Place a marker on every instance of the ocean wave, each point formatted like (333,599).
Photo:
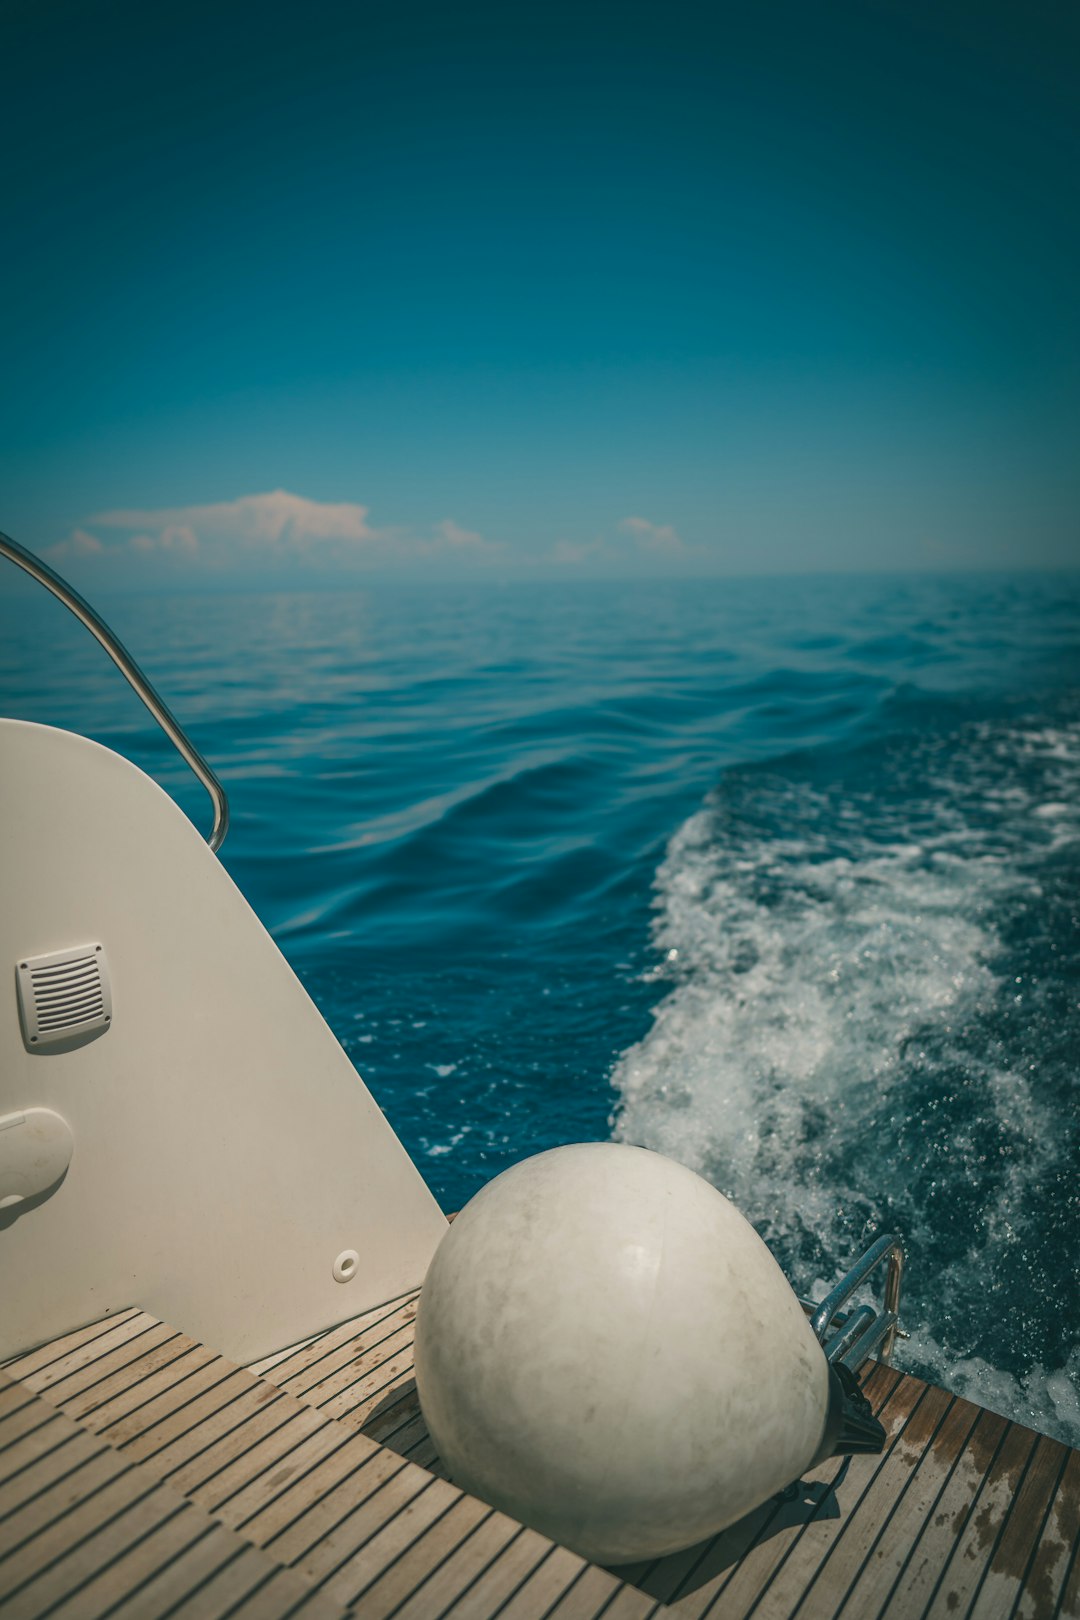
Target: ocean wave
(867,1023)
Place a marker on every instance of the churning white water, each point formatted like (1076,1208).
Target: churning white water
(870,1021)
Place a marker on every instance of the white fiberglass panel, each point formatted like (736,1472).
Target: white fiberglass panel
(225,1152)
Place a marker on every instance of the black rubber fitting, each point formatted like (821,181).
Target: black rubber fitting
(850,1424)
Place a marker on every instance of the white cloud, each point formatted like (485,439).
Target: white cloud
(656,537)
(275,524)
(450,536)
(276,530)
(179,537)
(79,543)
(278,536)
(457,537)
(574,554)
(637,545)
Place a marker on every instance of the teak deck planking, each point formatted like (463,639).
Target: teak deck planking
(142,1475)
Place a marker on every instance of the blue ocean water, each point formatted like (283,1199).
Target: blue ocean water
(780,877)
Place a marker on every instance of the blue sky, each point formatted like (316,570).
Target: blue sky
(351,289)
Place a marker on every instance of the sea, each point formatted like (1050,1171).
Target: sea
(780,877)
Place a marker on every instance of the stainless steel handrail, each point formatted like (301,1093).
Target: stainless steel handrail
(132,674)
(853,1329)
(882,1330)
(889,1247)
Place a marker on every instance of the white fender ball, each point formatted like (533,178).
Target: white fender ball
(606,1350)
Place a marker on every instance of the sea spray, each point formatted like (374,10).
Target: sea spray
(865,955)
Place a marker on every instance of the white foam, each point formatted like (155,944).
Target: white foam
(1043,1398)
(802,996)
(828,959)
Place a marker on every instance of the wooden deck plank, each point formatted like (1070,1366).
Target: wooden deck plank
(334,1525)
(35,1513)
(701,1575)
(147,1359)
(364,1378)
(959,1581)
(108,1536)
(37,1444)
(313,1607)
(1020,1535)
(148,1555)
(35,1585)
(630,1604)
(13,1397)
(280,1368)
(398,1407)
(30,1362)
(175,1438)
(804,1523)
(137,1385)
(825,1588)
(424,1455)
(428,1529)
(404,1424)
(916,1501)
(67,1454)
(355,1374)
(352,1356)
(399,1425)
(692,1578)
(188,1572)
(86,1519)
(588,1595)
(268,1466)
(933,1542)
(488,1593)
(1070,1597)
(1045,1582)
(698,1581)
(462,1568)
(734,1572)
(217,1592)
(94,1370)
(23,1421)
(243,1452)
(300,1464)
(361,1385)
(180,1387)
(270,1504)
(541,1590)
(838,1544)
(281,1596)
(344,1365)
(665,1579)
(87,1354)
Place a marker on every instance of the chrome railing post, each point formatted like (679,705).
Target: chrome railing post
(131,672)
(891,1247)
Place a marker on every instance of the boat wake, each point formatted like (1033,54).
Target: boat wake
(870,1022)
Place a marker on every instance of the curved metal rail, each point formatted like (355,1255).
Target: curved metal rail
(864,1330)
(132,674)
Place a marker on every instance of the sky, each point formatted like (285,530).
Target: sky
(352,290)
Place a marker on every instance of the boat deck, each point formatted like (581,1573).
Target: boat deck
(143,1475)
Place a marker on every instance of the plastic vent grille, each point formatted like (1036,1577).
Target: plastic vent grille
(64,994)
